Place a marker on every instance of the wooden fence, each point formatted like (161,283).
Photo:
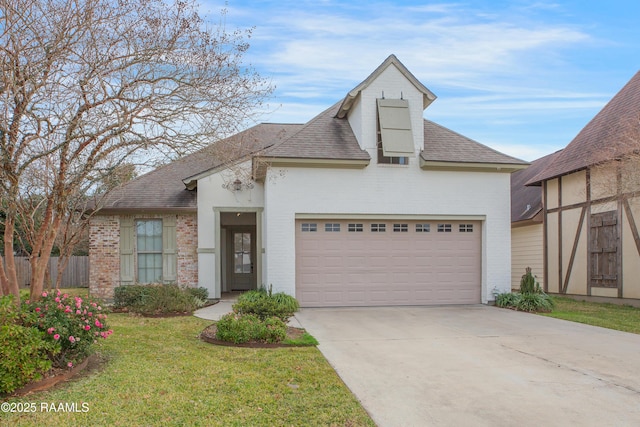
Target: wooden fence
(76,275)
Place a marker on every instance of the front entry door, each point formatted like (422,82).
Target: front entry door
(243,274)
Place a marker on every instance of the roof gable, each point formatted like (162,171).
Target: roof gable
(610,134)
(347,102)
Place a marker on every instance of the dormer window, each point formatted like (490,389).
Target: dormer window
(395,139)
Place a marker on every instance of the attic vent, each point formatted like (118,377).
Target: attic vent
(395,127)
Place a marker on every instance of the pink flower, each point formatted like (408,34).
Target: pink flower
(78,312)
(65,296)
(67,309)
(50,330)
(87,327)
(44,294)
(70,365)
(72,339)
(56,337)
(98,324)
(58,292)
(57,299)
(90,314)
(93,304)
(37,309)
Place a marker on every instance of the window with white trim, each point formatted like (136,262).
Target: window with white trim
(465,228)
(149,250)
(400,228)
(444,228)
(355,228)
(332,227)
(378,228)
(423,228)
(309,227)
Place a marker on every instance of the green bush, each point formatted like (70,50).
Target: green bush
(534,302)
(201,294)
(248,327)
(159,299)
(265,304)
(128,296)
(528,283)
(507,299)
(25,354)
(69,322)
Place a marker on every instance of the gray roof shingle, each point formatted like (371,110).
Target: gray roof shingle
(444,145)
(163,188)
(605,137)
(324,137)
(526,201)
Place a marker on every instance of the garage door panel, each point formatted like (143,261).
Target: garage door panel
(387,268)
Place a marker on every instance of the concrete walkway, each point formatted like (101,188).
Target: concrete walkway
(480,366)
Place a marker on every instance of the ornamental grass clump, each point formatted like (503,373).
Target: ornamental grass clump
(531,297)
(69,322)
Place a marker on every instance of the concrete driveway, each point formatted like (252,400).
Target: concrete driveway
(480,366)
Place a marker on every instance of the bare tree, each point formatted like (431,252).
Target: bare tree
(88,84)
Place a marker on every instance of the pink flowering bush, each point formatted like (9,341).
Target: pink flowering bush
(70,322)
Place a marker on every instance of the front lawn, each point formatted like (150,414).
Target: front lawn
(620,317)
(159,373)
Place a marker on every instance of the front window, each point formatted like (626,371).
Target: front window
(149,250)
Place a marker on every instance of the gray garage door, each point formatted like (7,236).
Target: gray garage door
(376,262)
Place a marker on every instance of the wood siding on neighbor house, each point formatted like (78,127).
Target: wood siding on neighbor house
(527,251)
(593,245)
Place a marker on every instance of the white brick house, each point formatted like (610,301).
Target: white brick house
(366,204)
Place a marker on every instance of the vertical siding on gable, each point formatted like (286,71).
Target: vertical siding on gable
(526,251)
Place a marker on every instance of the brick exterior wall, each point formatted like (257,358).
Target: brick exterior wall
(104,252)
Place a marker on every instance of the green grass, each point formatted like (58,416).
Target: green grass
(619,317)
(159,373)
(305,339)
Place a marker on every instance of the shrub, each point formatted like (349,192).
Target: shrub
(534,302)
(70,322)
(528,283)
(248,327)
(159,299)
(507,300)
(128,296)
(201,294)
(265,304)
(25,354)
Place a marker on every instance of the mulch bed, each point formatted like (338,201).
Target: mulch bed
(209,335)
(57,376)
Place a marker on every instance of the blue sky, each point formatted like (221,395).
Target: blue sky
(520,76)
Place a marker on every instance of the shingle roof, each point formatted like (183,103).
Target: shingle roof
(324,137)
(526,201)
(163,188)
(444,145)
(604,138)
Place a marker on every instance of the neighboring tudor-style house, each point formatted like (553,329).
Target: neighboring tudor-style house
(591,199)
(366,204)
(527,241)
